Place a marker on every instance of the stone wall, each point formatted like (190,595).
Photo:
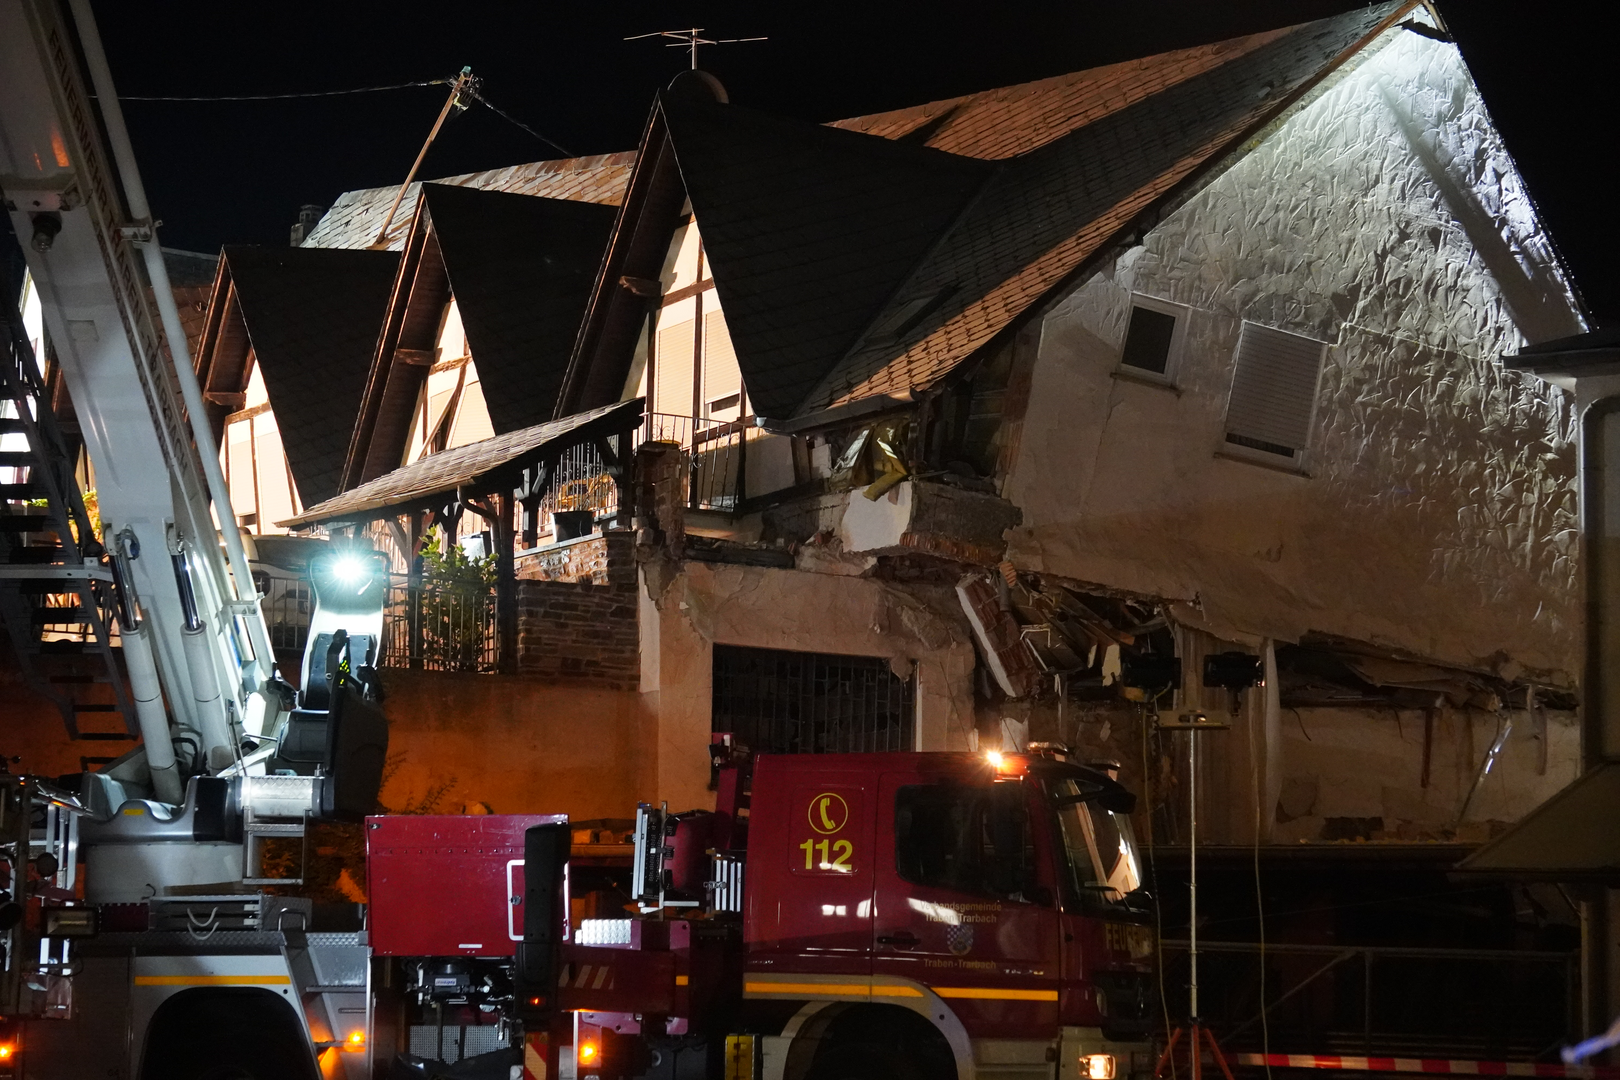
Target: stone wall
(577,613)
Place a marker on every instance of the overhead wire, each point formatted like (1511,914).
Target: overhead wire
(471,92)
(482,100)
(284,97)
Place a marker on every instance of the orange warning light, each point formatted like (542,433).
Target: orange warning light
(587,1052)
(356,1041)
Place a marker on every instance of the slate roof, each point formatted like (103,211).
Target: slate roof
(869,258)
(354,219)
(810,230)
(311,318)
(475,469)
(521,269)
(1012,120)
(1047,211)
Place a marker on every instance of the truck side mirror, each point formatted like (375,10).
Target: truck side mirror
(1118,800)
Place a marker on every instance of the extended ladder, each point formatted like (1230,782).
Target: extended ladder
(56,595)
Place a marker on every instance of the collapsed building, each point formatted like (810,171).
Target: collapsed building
(974,405)
(973,424)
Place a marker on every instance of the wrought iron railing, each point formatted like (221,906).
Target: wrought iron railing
(714,474)
(714,450)
(439,626)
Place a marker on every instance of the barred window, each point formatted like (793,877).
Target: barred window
(781,702)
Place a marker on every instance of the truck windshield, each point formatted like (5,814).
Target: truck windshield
(1100,846)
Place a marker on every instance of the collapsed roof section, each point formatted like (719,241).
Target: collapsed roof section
(519,269)
(309,319)
(870,259)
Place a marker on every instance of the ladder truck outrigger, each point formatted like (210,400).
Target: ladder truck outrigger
(135,936)
(834,917)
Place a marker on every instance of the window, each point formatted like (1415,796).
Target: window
(970,839)
(1274,392)
(672,366)
(722,379)
(1153,337)
(782,702)
(1100,847)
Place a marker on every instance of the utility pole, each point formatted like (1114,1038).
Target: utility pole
(464,84)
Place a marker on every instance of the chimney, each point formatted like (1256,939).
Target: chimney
(308,215)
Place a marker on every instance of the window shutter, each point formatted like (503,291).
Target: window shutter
(721,376)
(672,367)
(1274,390)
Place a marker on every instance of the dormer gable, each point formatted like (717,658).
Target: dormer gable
(497,279)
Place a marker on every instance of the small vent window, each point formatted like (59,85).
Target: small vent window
(1274,392)
(783,702)
(1153,337)
(1147,341)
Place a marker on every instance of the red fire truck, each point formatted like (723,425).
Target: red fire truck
(836,916)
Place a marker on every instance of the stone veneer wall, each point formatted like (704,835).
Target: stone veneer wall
(577,613)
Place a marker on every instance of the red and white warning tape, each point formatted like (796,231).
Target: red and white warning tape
(1432,1066)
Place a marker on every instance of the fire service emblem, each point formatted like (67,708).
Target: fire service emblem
(959,939)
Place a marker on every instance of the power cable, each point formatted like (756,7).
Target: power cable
(482,100)
(284,97)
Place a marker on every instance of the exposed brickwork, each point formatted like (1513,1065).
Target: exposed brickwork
(577,613)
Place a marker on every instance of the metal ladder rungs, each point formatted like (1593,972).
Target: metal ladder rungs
(264,828)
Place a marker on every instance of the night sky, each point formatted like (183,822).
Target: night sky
(236,172)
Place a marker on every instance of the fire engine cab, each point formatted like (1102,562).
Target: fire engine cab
(836,916)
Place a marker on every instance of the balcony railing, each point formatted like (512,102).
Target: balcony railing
(439,627)
(714,451)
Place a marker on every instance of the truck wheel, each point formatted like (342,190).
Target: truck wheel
(228,1033)
(863,1062)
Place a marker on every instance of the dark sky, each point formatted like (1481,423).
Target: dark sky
(237,172)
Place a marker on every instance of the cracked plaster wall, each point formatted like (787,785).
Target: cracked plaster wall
(1383,783)
(684,614)
(1439,513)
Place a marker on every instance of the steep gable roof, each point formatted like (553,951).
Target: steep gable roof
(1012,120)
(353,220)
(1049,211)
(520,268)
(810,230)
(309,319)
(961,248)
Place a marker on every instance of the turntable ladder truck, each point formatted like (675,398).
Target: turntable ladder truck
(136,935)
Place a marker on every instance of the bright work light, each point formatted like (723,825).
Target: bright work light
(348,569)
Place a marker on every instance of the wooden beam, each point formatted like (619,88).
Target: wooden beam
(506,605)
(416,357)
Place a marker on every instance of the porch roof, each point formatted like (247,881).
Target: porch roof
(479,468)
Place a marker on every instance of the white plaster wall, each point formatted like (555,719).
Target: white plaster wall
(1439,513)
(770,608)
(1364,763)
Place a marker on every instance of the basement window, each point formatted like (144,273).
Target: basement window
(1273,401)
(781,702)
(1153,338)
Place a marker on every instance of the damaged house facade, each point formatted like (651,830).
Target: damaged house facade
(988,421)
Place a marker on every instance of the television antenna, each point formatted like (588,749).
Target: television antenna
(691,39)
